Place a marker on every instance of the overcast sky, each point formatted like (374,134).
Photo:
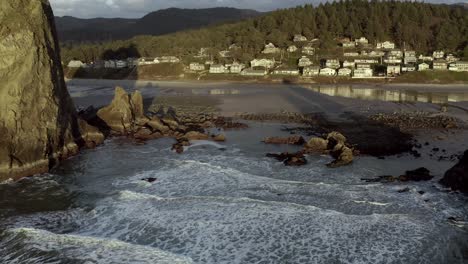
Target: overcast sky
(138,8)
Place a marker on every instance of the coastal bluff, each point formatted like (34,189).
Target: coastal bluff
(38,122)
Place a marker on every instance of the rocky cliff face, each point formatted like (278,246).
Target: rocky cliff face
(38,123)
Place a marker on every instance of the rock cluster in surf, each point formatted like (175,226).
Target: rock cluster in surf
(457,177)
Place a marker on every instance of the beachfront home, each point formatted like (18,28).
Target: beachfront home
(308,50)
(350,54)
(292,48)
(237,67)
(266,63)
(385,45)
(439,65)
(344,72)
(195,66)
(76,64)
(310,71)
(425,58)
(361,41)
(270,48)
(363,66)
(423,66)
(299,38)
(363,73)
(459,66)
(393,70)
(252,72)
(282,70)
(121,64)
(304,61)
(218,68)
(366,61)
(146,61)
(332,63)
(438,54)
(408,68)
(167,59)
(327,72)
(349,64)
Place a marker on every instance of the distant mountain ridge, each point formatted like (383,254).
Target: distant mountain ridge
(72,29)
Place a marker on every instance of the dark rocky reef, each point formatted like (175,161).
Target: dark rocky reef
(457,177)
(38,123)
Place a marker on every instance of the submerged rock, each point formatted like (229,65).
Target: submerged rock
(457,177)
(420,174)
(38,120)
(289,159)
(293,140)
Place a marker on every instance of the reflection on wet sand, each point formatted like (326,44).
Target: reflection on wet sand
(391,95)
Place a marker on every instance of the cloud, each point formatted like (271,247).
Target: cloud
(138,8)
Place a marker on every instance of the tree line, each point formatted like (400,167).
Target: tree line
(419,26)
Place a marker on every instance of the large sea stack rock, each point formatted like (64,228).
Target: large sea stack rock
(457,177)
(38,124)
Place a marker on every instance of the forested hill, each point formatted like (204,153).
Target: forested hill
(72,29)
(421,26)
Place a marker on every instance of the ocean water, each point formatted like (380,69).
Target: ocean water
(228,203)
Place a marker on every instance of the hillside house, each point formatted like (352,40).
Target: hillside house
(348,44)
(439,65)
(266,63)
(121,64)
(202,53)
(408,68)
(252,72)
(438,54)
(292,48)
(459,66)
(304,62)
(344,72)
(423,66)
(327,72)
(234,47)
(361,41)
(311,71)
(237,67)
(395,53)
(218,68)
(299,38)
(225,53)
(146,61)
(308,50)
(167,59)
(209,62)
(349,64)
(409,53)
(366,61)
(451,58)
(376,53)
(195,66)
(425,58)
(393,70)
(363,66)
(270,48)
(286,71)
(350,54)
(385,45)
(332,63)
(76,64)
(363,73)
(392,59)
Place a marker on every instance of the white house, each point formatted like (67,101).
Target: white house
(266,63)
(110,64)
(438,54)
(299,38)
(367,61)
(76,64)
(270,48)
(310,71)
(292,48)
(376,53)
(362,41)
(348,44)
(195,66)
(425,58)
(350,54)
(332,63)
(309,50)
(385,45)
(225,53)
(392,59)
(304,62)
(344,72)
(459,66)
(252,72)
(363,66)
(237,67)
(393,70)
(451,58)
(218,68)
(363,73)
(423,66)
(349,64)
(327,72)
(286,71)
(408,68)
(167,59)
(395,53)
(121,64)
(146,61)
(439,65)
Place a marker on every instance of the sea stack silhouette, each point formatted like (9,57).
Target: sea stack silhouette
(38,122)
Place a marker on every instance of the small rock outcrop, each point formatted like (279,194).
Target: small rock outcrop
(316,145)
(420,174)
(38,122)
(290,159)
(293,140)
(457,177)
(335,145)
